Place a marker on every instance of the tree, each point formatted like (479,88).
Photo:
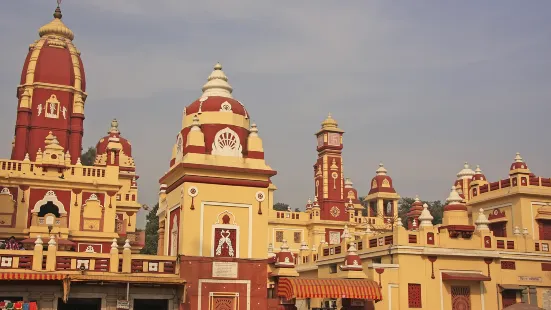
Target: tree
(280,206)
(297,210)
(151,232)
(436,209)
(87,158)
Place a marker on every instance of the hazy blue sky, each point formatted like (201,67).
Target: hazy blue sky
(421,85)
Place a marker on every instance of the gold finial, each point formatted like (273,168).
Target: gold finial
(329,122)
(57,13)
(56,26)
(114,126)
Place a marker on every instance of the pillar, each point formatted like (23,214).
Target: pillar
(51,255)
(21,134)
(533,295)
(75,137)
(114,257)
(126,257)
(161,240)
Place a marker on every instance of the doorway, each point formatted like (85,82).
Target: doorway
(149,304)
(79,304)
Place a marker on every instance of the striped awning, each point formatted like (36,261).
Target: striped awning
(30,276)
(329,288)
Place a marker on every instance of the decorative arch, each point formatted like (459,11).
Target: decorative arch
(52,198)
(226,218)
(386,183)
(227,143)
(225,236)
(92,214)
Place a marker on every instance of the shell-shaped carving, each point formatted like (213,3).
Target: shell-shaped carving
(227,143)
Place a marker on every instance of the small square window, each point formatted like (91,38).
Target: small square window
(297,237)
(279,236)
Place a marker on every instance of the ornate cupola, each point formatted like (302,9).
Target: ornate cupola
(463,180)
(114,150)
(519,171)
(477,180)
(456,218)
(382,182)
(220,121)
(352,267)
(382,200)
(414,212)
(51,93)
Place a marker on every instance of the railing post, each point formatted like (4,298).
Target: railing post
(126,257)
(114,257)
(38,254)
(51,256)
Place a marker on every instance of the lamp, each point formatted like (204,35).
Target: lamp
(50,223)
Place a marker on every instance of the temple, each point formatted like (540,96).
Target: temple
(70,239)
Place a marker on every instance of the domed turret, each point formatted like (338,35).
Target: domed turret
(463,181)
(225,126)
(113,149)
(414,212)
(519,166)
(51,93)
(381,182)
(478,175)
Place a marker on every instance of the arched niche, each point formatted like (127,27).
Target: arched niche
(8,211)
(47,207)
(51,198)
(92,214)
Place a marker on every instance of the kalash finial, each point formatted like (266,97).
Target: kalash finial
(57,13)
(217,84)
(56,26)
(114,126)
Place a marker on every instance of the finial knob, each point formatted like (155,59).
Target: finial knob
(57,13)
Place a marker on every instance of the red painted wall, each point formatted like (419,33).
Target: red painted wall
(195,268)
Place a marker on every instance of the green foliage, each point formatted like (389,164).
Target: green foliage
(87,158)
(297,210)
(280,206)
(151,232)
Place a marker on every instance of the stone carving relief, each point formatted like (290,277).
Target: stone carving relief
(52,107)
(227,143)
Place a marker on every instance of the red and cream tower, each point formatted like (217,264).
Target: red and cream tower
(215,201)
(51,93)
(328,172)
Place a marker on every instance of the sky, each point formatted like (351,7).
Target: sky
(422,86)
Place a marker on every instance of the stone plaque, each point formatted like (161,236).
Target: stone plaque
(224,270)
(529,279)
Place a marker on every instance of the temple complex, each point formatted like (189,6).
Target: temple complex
(70,239)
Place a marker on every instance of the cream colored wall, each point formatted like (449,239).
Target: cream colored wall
(210,202)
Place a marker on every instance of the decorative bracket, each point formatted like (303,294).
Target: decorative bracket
(432,259)
(488,261)
(260,198)
(192,192)
(76,191)
(111,194)
(380,271)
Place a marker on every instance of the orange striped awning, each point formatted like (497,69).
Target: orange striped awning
(329,288)
(30,276)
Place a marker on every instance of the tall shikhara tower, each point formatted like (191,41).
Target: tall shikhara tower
(328,172)
(51,93)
